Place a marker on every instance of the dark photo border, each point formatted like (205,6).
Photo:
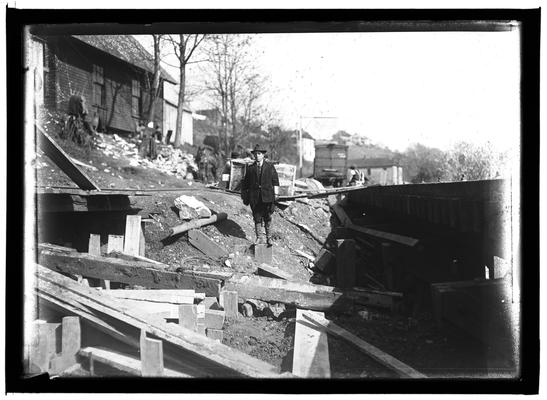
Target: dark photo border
(247,21)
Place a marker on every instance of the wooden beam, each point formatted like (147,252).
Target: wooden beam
(345,263)
(305,295)
(385,359)
(63,161)
(273,272)
(392,237)
(133,273)
(119,254)
(132,235)
(196,224)
(204,244)
(123,362)
(173,296)
(311,348)
(212,358)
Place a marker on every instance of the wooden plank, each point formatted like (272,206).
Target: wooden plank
(44,344)
(132,235)
(142,241)
(63,161)
(71,337)
(123,362)
(229,301)
(311,348)
(392,237)
(214,318)
(389,361)
(133,273)
(188,316)
(151,356)
(115,243)
(172,296)
(212,358)
(49,246)
(204,244)
(119,254)
(210,302)
(263,253)
(94,249)
(345,263)
(324,260)
(69,304)
(274,272)
(306,255)
(163,310)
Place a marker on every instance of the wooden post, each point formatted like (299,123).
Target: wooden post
(214,319)
(115,243)
(345,263)
(71,337)
(132,235)
(44,344)
(188,316)
(142,241)
(311,348)
(94,249)
(229,301)
(263,253)
(151,356)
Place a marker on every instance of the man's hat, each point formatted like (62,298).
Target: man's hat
(258,149)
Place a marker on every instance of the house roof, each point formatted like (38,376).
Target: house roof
(126,48)
(306,135)
(373,162)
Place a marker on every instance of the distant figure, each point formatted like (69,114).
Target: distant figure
(77,128)
(168,136)
(259,188)
(158,134)
(206,160)
(354,176)
(139,131)
(148,145)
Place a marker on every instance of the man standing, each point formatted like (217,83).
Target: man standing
(258,189)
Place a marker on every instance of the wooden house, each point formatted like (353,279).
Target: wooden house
(112,72)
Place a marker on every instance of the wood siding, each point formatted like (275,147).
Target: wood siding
(71,72)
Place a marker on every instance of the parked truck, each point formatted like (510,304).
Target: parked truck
(331,164)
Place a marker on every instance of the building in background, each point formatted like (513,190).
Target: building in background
(381,171)
(112,72)
(170,101)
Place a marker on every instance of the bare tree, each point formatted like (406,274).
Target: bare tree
(230,75)
(155,86)
(184,47)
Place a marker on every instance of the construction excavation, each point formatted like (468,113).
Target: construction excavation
(407,281)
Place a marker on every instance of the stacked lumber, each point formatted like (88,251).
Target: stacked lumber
(191,353)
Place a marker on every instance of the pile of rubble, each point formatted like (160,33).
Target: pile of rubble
(170,160)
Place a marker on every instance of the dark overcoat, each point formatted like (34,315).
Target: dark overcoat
(259,188)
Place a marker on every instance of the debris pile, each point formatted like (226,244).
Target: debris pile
(169,160)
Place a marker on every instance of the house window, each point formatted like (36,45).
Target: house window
(99,93)
(136,98)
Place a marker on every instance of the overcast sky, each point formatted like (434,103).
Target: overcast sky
(396,88)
